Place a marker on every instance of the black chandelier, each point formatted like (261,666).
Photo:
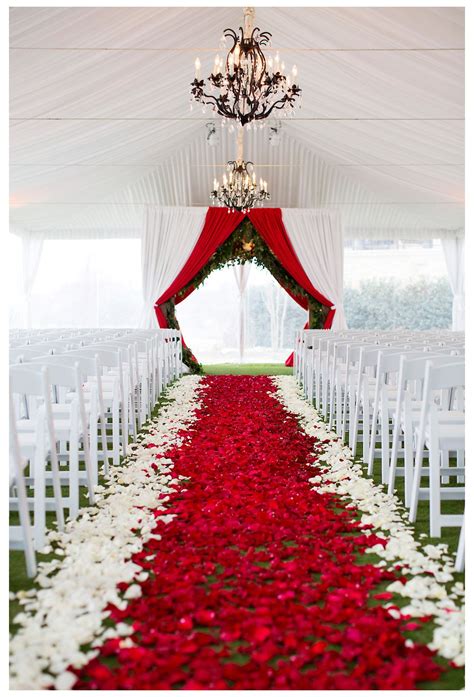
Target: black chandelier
(239,190)
(248,88)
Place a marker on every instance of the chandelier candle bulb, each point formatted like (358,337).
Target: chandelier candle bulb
(197,67)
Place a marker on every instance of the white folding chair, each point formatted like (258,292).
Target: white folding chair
(113,402)
(21,536)
(37,443)
(439,435)
(406,414)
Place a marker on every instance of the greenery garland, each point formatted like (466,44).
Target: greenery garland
(244,245)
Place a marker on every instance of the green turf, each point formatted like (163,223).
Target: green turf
(247,369)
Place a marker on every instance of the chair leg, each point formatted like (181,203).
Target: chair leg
(392,473)
(445,463)
(116,433)
(365,430)
(105,449)
(25,522)
(73,476)
(435,489)
(93,451)
(408,456)
(385,446)
(415,488)
(460,463)
(459,564)
(373,432)
(39,502)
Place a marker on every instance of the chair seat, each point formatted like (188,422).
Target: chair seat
(62,427)
(445,417)
(451,437)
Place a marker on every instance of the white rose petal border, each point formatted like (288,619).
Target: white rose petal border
(430,567)
(94,553)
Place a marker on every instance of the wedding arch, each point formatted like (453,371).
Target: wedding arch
(302,248)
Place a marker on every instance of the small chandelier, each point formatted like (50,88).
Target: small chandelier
(238,190)
(248,88)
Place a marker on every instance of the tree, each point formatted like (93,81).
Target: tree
(387,304)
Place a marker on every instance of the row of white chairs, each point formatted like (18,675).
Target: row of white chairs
(400,395)
(72,393)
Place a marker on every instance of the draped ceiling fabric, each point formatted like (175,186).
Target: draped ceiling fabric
(101,126)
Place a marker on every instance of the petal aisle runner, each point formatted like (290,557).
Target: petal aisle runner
(254,576)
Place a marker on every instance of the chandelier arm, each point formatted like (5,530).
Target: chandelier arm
(215,101)
(280,104)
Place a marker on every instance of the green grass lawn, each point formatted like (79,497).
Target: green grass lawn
(247,369)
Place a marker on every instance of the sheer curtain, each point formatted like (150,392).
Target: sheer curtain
(32,248)
(241,273)
(169,236)
(317,238)
(454,255)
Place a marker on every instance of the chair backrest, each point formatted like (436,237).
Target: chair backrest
(87,366)
(25,381)
(24,354)
(107,357)
(59,375)
(414,367)
(445,376)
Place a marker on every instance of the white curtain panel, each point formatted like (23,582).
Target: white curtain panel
(32,249)
(317,238)
(454,256)
(242,273)
(169,236)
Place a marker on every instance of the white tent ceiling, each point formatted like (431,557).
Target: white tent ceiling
(101,124)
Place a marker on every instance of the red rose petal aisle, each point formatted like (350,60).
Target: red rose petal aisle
(228,552)
(257,581)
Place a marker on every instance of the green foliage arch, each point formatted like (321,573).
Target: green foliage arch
(243,245)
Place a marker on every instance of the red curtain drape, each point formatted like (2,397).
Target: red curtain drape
(269,224)
(219,224)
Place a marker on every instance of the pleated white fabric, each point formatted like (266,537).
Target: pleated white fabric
(100,110)
(242,273)
(454,255)
(32,249)
(169,236)
(317,238)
